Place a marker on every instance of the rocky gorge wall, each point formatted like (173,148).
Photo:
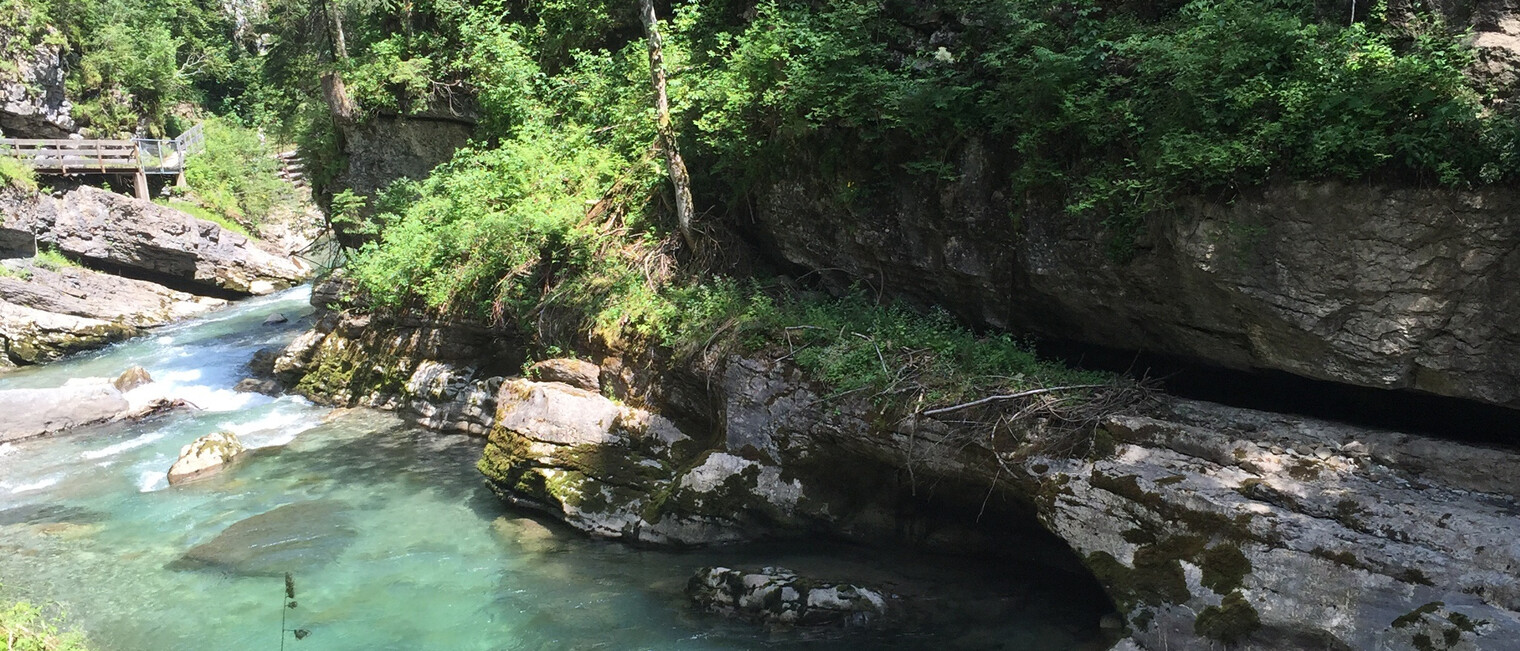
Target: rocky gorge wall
(1391,288)
(1205,525)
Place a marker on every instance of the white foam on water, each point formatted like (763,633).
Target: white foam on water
(273,429)
(152,480)
(37,485)
(112,450)
(6,448)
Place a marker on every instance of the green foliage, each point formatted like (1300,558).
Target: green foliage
(237,176)
(1094,108)
(26,627)
(199,212)
(52,259)
(17,175)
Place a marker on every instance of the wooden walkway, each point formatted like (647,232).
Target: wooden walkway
(139,156)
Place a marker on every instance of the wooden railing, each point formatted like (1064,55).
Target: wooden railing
(143,155)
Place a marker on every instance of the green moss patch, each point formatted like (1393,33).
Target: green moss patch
(1229,622)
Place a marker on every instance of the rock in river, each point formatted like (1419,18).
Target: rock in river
(34,412)
(205,456)
(774,595)
(293,538)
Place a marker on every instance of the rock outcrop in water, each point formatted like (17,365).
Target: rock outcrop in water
(48,313)
(205,456)
(1206,525)
(774,595)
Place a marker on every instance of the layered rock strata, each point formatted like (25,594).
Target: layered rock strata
(1412,289)
(106,228)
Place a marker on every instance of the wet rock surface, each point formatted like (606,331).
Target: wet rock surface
(35,412)
(297,537)
(777,596)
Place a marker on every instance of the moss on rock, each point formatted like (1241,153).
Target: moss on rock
(1229,622)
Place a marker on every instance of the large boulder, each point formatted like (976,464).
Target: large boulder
(577,373)
(205,456)
(81,292)
(620,472)
(105,228)
(48,313)
(35,412)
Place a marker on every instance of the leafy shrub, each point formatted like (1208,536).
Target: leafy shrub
(237,176)
(26,628)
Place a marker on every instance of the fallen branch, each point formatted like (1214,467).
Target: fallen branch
(1011,396)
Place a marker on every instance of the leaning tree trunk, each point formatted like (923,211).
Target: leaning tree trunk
(333,89)
(685,211)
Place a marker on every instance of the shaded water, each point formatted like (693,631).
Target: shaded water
(430,559)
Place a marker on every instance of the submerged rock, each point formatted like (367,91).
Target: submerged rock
(205,456)
(264,386)
(275,319)
(774,595)
(296,537)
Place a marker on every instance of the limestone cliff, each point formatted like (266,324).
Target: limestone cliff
(1393,288)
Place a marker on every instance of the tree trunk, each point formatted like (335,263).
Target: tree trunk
(685,210)
(334,91)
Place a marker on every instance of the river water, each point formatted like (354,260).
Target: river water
(428,559)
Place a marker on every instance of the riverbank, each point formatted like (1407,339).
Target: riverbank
(1202,523)
(414,549)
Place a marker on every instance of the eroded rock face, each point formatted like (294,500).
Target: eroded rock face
(774,595)
(1378,287)
(205,456)
(32,102)
(108,228)
(1284,532)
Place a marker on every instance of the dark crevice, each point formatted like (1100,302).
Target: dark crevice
(1278,391)
(171,281)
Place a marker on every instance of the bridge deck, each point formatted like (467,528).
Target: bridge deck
(141,155)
